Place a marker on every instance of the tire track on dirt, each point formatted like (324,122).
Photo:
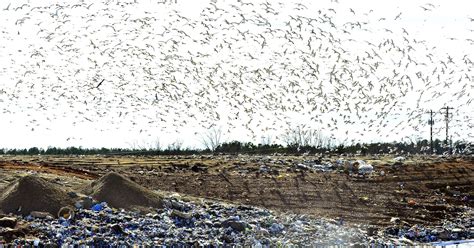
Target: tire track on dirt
(46,168)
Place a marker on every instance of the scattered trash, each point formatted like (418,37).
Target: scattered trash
(327,166)
(98,207)
(179,214)
(452,230)
(85,202)
(66,213)
(217,224)
(9,222)
(41,215)
(276,228)
(399,159)
(235,224)
(363,167)
(395,220)
(205,224)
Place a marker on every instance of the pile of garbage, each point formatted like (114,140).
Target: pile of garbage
(270,165)
(175,220)
(183,223)
(359,167)
(316,165)
(207,223)
(462,228)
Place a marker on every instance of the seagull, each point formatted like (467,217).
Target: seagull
(8,7)
(100,83)
(236,57)
(398,16)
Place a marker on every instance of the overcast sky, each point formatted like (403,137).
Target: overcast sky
(52,99)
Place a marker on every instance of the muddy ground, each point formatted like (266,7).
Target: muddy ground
(420,190)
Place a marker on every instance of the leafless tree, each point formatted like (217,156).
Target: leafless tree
(176,145)
(212,138)
(266,140)
(157,145)
(304,136)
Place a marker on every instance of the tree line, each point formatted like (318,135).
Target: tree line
(237,147)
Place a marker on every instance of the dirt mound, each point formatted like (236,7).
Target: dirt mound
(33,193)
(120,192)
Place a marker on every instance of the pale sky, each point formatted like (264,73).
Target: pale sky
(55,102)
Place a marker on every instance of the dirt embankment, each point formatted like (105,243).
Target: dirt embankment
(425,193)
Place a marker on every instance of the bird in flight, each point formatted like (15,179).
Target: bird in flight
(100,83)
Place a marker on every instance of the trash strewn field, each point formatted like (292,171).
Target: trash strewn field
(236,199)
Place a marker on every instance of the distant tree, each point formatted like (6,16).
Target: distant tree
(157,145)
(33,151)
(266,140)
(302,136)
(437,146)
(235,147)
(176,145)
(212,138)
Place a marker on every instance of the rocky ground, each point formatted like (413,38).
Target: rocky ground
(257,200)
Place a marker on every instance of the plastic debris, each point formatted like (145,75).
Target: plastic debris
(399,159)
(208,223)
(8,222)
(66,213)
(98,207)
(364,168)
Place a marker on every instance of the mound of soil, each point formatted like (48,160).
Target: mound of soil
(120,192)
(33,193)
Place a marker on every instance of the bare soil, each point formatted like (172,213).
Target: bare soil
(33,193)
(120,192)
(421,190)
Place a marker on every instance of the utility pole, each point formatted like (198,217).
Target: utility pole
(447,108)
(431,123)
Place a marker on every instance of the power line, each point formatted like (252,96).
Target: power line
(431,123)
(447,108)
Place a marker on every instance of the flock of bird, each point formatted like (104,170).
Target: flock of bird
(260,65)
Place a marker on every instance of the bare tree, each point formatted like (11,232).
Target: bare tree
(212,138)
(303,136)
(318,138)
(266,140)
(157,145)
(176,145)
